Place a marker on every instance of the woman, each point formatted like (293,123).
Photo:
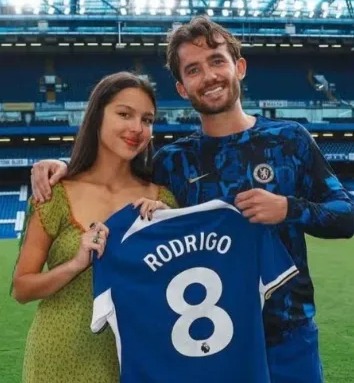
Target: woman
(109,168)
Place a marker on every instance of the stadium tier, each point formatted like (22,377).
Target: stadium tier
(337,150)
(276,77)
(40,152)
(12,210)
(300,67)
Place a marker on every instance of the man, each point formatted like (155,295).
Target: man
(273,168)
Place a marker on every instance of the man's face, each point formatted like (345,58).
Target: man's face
(210,77)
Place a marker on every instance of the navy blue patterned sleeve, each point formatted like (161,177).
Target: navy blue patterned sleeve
(161,175)
(168,172)
(323,207)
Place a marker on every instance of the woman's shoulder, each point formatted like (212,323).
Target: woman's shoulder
(52,213)
(57,196)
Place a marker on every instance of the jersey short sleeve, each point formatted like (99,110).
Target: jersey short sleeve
(103,306)
(275,263)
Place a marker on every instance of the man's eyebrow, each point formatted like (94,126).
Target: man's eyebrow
(211,57)
(216,56)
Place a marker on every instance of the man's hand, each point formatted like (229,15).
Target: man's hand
(261,206)
(44,175)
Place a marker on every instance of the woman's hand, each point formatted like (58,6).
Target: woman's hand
(93,240)
(148,206)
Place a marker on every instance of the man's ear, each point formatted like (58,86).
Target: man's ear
(241,66)
(181,90)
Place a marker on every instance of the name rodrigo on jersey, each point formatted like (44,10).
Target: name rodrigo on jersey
(188,244)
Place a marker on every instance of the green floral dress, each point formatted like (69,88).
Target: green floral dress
(60,345)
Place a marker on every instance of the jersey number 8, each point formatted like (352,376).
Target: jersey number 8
(223,326)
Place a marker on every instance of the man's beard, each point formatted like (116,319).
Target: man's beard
(204,108)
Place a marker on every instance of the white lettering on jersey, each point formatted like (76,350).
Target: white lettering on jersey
(190,243)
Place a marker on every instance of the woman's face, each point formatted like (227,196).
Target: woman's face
(127,124)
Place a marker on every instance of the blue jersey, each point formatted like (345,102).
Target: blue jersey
(280,157)
(183,294)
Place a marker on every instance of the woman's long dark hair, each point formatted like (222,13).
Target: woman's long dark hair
(85,149)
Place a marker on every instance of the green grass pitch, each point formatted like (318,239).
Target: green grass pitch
(332,269)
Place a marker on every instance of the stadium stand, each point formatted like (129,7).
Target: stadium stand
(46,80)
(273,77)
(12,211)
(342,149)
(40,151)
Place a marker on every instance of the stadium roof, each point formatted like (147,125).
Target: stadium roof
(129,22)
(325,9)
